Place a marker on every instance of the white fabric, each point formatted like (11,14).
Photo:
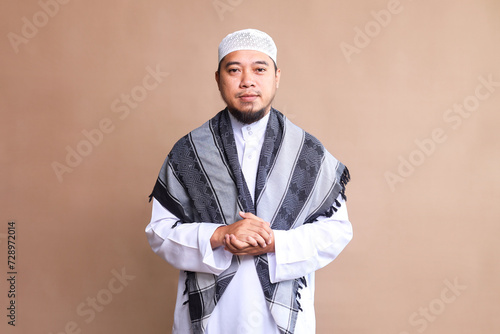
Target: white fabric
(248,39)
(242,306)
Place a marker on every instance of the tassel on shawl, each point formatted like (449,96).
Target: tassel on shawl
(344,178)
(334,208)
(186,289)
(301,283)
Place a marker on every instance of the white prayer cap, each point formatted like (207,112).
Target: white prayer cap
(248,39)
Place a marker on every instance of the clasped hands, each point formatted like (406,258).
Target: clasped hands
(249,236)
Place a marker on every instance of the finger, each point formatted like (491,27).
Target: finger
(264,235)
(256,224)
(252,241)
(250,226)
(249,251)
(227,244)
(238,244)
(257,241)
(250,215)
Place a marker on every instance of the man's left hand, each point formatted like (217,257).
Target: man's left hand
(239,247)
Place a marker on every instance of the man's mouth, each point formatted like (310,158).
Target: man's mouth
(248,97)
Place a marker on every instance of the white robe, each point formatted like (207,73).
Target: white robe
(298,252)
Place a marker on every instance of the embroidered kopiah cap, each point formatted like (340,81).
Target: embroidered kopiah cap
(248,39)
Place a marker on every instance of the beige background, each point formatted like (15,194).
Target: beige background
(432,224)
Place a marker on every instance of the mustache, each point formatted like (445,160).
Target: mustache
(248,93)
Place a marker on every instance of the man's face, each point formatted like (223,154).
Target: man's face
(247,82)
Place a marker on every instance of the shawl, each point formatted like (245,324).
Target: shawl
(201,181)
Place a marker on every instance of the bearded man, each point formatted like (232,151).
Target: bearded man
(248,206)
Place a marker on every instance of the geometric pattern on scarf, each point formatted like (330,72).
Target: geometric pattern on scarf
(201,181)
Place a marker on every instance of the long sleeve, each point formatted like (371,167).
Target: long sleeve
(305,249)
(185,246)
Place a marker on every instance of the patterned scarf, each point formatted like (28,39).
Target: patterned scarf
(201,181)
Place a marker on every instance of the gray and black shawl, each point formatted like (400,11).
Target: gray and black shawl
(201,181)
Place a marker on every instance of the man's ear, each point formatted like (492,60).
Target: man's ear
(278,76)
(217,77)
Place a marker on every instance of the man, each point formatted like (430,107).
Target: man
(248,206)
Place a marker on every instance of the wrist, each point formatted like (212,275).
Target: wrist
(217,238)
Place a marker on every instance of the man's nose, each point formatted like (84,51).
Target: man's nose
(247,79)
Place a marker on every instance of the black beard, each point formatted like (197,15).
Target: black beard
(247,117)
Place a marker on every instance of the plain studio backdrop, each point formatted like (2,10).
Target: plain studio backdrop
(405,93)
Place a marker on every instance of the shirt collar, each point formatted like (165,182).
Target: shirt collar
(253,131)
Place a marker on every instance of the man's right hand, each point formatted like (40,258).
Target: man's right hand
(251,230)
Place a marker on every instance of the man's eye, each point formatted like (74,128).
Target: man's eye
(233,70)
(261,69)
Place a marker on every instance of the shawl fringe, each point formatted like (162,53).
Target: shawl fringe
(344,178)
